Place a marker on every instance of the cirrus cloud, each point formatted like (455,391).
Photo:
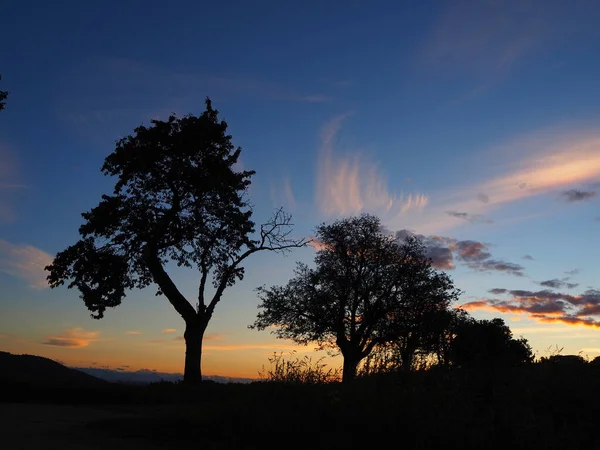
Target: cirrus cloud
(350,183)
(25,262)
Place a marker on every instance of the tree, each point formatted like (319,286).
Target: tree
(489,343)
(363,292)
(178,198)
(3,96)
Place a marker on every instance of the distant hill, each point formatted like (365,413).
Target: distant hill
(145,376)
(36,371)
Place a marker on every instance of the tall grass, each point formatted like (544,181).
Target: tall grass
(298,370)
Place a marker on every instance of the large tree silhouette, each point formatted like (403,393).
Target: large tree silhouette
(367,289)
(178,199)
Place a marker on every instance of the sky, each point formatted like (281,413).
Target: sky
(473,124)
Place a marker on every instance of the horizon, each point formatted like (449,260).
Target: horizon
(473,125)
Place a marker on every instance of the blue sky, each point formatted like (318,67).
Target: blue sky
(472,123)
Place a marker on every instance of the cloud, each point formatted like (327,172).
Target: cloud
(488,38)
(349,184)
(554,283)
(126,81)
(133,332)
(545,306)
(473,218)
(572,272)
(283,194)
(527,257)
(577,195)
(169,330)
(557,160)
(443,251)
(9,183)
(25,262)
(74,338)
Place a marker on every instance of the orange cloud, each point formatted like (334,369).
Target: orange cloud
(351,184)
(26,262)
(133,332)
(169,330)
(74,338)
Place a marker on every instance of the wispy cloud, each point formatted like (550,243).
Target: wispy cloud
(74,338)
(133,332)
(556,161)
(25,262)
(169,330)
(487,39)
(282,194)
(350,183)
(9,183)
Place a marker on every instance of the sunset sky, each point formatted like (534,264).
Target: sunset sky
(474,124)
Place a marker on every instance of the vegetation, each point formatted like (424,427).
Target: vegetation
(537,406)
(367,290)
(178,199)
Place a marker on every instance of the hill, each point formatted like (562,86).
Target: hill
(36,371)
(145,376)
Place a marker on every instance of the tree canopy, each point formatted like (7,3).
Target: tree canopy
(179,198)
(366,289)
(488,343)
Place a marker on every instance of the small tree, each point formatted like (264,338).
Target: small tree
(178,198)
(489,343)
(362,293)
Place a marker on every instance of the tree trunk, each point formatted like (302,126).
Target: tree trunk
(194,333)
(350,365)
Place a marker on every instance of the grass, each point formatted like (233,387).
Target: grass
(537,407)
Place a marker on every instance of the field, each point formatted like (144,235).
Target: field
(538,407)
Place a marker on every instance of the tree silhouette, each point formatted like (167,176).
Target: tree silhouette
(489,343)
(3,96)
(178,198)
(366,290)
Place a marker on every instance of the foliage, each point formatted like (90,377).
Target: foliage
(178,198)
(299,370)
(489,343)
(367,289)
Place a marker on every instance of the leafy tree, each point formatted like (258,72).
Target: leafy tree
(178,198)
(489,343)
(366,290)
(3,96)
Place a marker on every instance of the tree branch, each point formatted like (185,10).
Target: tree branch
(162,278)
(274,236)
